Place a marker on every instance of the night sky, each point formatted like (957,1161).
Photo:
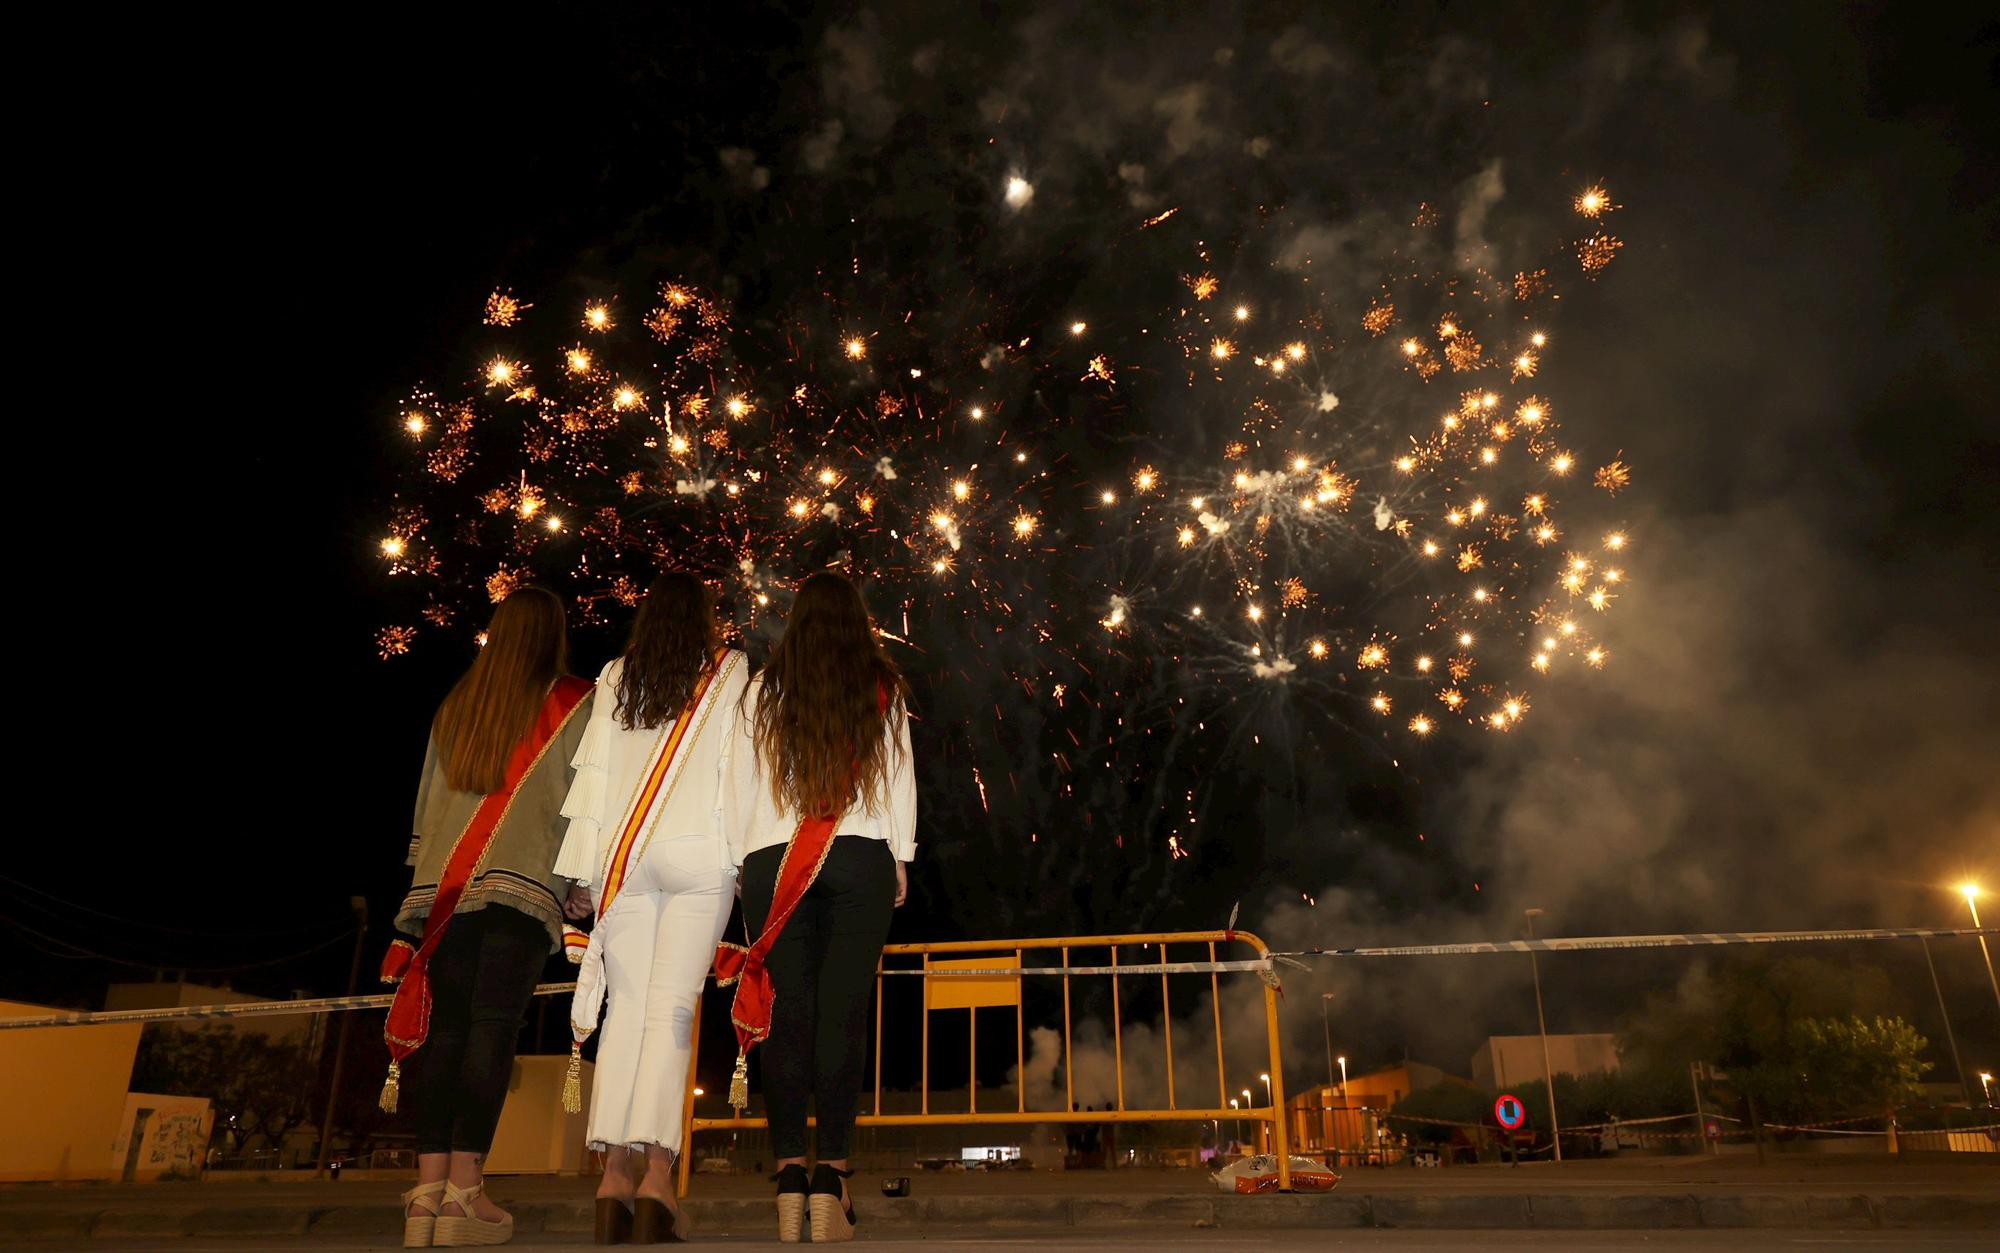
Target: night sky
(245,247)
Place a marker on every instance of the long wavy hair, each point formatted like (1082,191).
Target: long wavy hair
(819,719)
(494,704)
(673,641)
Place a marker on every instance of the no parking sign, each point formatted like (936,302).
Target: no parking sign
(1509,1111)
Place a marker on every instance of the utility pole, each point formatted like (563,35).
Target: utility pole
(1325,1010)
(1541,1020)
(360,907)
(1949,1038)
(1327,1120)
(1700,1115)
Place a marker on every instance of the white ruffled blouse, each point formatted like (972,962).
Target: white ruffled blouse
(612,759)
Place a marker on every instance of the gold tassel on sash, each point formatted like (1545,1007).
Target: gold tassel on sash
(572,1096)
(739,1084)
(392,1088)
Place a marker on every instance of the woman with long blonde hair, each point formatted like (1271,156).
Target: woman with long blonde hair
(827,782)
(649,848)
(484,911)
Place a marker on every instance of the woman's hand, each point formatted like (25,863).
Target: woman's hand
(578,906)
(902,883)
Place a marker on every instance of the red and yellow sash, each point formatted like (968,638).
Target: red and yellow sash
(656,785)
(750,1012)
(655,788)
(408,965)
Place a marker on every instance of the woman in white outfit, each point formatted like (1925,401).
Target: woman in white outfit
(649,850)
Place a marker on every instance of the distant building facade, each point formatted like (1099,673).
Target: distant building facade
(1506,1060)
(1323,1121)
(62,1098)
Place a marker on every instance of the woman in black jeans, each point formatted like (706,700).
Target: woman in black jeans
(825,752)
(484,910)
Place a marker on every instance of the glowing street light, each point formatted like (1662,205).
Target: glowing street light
(1267,1088)
(1986,1086)
(1971,893)
(1343,1079)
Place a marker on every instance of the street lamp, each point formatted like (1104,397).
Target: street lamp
(1267,1088)
(1971,893)
(1326,1021)
(1541,1020)
(1986,1086)
(1343,1080)
(1239,1117)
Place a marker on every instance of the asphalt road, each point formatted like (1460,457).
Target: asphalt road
(1143,1241)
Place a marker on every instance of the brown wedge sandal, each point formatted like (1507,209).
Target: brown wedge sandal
(614,1221)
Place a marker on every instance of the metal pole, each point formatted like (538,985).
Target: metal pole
(1700,1115)
(1326,1020)
(1983,950)
(1949,1038)
(360,906)
(1541,1020)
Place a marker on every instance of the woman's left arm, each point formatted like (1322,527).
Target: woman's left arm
(901,820)
(423,801)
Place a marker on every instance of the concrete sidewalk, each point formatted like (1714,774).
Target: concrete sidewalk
(1945,1194)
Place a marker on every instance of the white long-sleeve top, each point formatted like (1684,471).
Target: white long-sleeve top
(612,759)
(766,822)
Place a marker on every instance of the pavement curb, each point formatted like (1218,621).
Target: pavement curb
(42,1221)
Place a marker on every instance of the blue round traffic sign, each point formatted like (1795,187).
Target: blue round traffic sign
(1509,1110)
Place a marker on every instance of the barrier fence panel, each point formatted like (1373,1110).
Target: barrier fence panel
(993,974)
(990,974)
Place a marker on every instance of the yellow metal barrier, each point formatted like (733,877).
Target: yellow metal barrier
(971,993)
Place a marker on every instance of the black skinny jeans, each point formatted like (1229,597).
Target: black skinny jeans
(822,971)
(482,975)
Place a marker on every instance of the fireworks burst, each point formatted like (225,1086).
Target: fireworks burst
(1352,511)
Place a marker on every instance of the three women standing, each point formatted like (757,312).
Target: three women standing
(673,772)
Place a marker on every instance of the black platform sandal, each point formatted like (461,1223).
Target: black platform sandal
(831,1219)
(793,1185)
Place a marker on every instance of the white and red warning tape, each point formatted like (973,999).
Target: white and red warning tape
(1265,966)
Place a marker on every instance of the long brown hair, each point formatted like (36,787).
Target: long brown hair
(819,717)
(673,641)
(494,704)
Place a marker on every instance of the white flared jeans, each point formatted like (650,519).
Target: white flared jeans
(659,942)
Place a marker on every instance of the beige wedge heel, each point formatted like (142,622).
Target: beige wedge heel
(419,1229)
(832,1220)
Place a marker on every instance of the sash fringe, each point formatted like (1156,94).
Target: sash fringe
(572,1092)
(392,1088)
(739,1083)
